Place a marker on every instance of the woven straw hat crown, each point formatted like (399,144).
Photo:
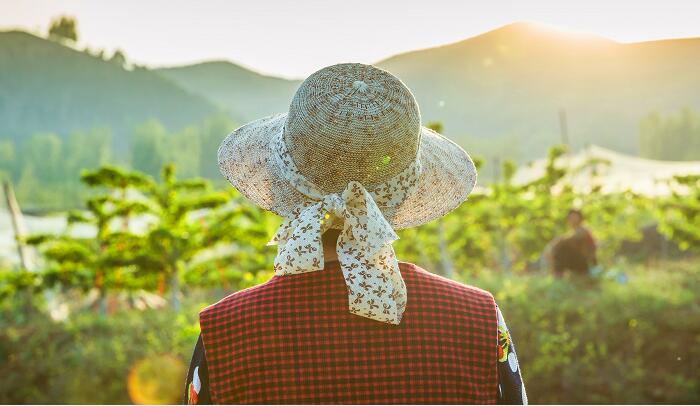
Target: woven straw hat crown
(349,123)
(352,122)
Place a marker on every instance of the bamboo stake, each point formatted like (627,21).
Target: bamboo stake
(17,225)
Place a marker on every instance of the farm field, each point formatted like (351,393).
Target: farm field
(115,289)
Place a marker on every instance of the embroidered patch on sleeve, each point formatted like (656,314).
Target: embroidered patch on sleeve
(505,344)
(194,388)
(511,389)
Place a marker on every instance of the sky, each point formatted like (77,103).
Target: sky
(293,38)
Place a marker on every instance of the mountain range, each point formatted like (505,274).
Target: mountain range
(48,87)
(514,82)
(246,94)
(504,91)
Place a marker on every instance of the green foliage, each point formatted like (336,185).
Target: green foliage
(602,341)
(45,167)
(435,126)
(210,135)
(45,152)
(97,262)
(87,359)
(63,29)
(191,149)
(186,218)
(7,159)
(14,282)
(118,58)
(578,341)
(679,216)
(148,146)
(507,226)
(675,137)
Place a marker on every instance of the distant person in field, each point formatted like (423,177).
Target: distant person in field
(576,251)
(342,320)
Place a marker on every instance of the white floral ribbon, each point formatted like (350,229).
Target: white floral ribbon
(367,259)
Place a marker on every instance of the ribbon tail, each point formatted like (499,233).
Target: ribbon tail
(367,223)
(377,292)
(282,234)
(376,289)
(299,247)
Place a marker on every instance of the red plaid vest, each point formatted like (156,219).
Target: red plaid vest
(292,340)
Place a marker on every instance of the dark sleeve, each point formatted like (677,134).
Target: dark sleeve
(587,244)
(592,248)
(197,384)
(511,390)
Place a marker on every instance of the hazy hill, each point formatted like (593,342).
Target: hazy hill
(247,94)
(510,83)
(501,92)
(45,86)
(498,93)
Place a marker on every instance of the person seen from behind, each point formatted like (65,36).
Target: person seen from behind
(343,320)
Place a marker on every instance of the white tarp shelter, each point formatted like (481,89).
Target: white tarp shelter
(613,171)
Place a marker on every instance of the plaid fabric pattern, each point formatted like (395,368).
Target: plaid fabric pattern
(292,340)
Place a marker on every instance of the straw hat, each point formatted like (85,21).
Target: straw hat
(352,138)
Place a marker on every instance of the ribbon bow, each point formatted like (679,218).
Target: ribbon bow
(375,287)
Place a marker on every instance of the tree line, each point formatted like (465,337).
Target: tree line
(671,137)
(45,168)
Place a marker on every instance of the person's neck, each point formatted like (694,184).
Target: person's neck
(329,240)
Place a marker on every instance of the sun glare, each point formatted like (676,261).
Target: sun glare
(560,31)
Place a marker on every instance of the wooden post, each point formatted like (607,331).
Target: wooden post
(17,225)
(564,133)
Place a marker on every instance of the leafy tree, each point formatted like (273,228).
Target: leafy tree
(190,219)
(184,219)
(672,137)
(45,153)
(63,29)
(47,168)
(211,133)
(8,159)
(27,184)
(679,216)
(85,150)
(148,147)
(100,262)
(435,126)
(118,58)
(185,151)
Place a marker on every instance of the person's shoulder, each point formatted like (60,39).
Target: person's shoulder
(414,273)
(582,229)
(236,301)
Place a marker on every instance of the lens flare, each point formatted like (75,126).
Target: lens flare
(156,380)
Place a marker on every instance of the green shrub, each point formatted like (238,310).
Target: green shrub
(602,341)
(87,359)
(578,341)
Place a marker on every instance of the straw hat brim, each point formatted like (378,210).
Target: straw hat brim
(245,158)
